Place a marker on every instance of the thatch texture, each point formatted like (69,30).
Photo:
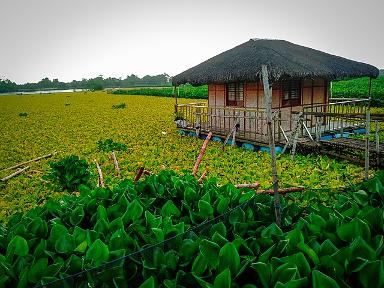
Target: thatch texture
(283,59)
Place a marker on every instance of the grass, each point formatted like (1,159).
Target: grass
(146,127)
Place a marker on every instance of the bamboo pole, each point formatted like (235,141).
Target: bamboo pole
(138,174)
(202,177)
(250,186)
(101,179)
(116,163)
(268,108)
(14,174)
(201,154)
(29,161)
(282,190)
(175,94)
(377,143)
(367,130)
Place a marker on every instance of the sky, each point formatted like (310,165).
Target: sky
(75,39)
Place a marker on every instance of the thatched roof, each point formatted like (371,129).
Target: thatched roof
(283,59)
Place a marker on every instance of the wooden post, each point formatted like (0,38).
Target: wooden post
(201,154)
(29,161)
(271,137)
(202,177)
(377,142)
(116,164)
(14,174)
(367,130)
(101,179)
(138,175)
(175,95)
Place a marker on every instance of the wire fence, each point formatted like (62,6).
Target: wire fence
(146,253)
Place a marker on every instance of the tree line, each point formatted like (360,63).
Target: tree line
(97,83)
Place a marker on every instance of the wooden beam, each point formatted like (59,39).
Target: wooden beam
(271,137)
(201,154)
(14,174)
(29,161)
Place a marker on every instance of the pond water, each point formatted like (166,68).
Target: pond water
(42,92)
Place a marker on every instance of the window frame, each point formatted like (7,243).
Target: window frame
(294,89)
(239,94)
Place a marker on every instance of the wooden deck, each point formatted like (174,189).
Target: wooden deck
(345,148)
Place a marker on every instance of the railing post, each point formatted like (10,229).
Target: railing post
(377,142)
(271,136)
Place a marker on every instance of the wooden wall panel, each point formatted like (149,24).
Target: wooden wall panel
(250,95)
(211,95)
(307,95)
(318,95)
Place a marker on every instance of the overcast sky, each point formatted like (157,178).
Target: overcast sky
(75,39)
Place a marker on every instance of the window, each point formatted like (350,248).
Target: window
(291,93)
(235,94)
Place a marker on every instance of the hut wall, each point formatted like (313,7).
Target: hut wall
(313,92)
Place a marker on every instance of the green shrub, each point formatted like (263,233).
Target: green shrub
(23,114)
(119,106)
(69,172)
(109,145)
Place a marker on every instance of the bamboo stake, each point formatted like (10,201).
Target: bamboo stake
(29,161)
(14,174)
(202,177)
(201,154)
(282,190)
(138,175)
(116,164)
(377,142)
(147,172)
(268,108)
(251,186)
(101,179)
(367,130)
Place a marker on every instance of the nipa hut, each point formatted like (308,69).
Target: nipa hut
(300,80)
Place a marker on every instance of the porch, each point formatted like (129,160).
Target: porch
(251,123)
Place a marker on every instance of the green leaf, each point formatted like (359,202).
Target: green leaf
(264,270)
(148,283)
(134,210)
(101,226)
(210,250)
(320,280)
(300,261)
(205,209)
(18,246)
(219,240)
(170,209)
(294,237)
(327,248)
(159,233)
(199,265)
(372,275)
(309,252)
(57,231)
(223,205)
(77,215)
(81,247)
(38,270)
(353,229)
(98,252)
(219,228)
(38,227)
(102,213)
(188,248)
(360,248)
(229,258)
(285,273)
(65,244)
(223,280)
